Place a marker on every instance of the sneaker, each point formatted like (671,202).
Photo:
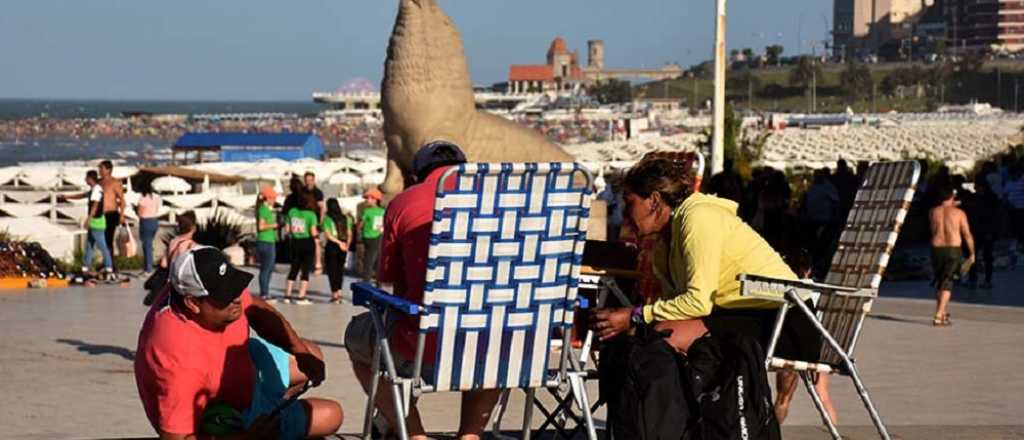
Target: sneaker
(302,302)
(270,300)
(337,301)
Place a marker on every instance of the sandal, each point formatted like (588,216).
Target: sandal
(941,320)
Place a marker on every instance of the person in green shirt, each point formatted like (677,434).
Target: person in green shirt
(266,237)
(371,227)
(96,223)
(302,228)
(338,235)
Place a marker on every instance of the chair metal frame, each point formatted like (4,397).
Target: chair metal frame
(480,191)
(851,286)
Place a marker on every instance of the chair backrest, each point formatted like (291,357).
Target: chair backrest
(692,159)
(865,246)
(502,271)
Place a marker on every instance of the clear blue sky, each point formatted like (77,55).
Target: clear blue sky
(284,50)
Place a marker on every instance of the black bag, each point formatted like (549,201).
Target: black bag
(726,378)
(641,381)
(154,284)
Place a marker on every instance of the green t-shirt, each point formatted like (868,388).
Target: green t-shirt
(373,222)
(330,227)
(267,215)
(96,198)
(301,223)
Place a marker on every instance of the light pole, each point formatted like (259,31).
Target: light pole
(718,133)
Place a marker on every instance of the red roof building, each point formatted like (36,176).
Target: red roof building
(561,73)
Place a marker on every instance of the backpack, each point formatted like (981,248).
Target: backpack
(727,383)
(640,378)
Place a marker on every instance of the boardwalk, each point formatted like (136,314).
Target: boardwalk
(66,362)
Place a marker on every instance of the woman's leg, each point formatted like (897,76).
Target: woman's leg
(331,269)
(821,386)
(785,385)
(147,231)
(90,244)
(108,259)
(307,262)
(266,254)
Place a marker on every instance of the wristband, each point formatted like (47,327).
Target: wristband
(637,317)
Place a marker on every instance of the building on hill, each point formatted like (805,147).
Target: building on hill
(987,26)
(563,73)
(863,26)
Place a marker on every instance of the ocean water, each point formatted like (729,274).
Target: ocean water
(14,151)
(63,109)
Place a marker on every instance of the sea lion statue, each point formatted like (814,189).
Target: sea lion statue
(427,95)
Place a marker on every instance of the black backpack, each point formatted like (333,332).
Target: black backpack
(728,386)
(642,382)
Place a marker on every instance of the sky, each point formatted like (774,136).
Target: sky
(272,50)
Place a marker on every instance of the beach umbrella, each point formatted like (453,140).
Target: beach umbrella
(344,179)
(373,179)
(171,184)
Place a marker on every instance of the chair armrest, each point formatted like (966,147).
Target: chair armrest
(368,295)
(762,287)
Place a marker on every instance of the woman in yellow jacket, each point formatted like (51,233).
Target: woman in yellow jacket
(705,246)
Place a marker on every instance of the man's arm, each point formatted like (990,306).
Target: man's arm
(272,326)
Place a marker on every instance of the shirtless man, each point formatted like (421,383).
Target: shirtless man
(113,201)
(950,231)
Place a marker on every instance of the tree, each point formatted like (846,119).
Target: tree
(855,81)
(612,91)
(774,54)
(804,71)
(748,53)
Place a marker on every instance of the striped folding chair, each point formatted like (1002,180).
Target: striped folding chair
(502,280)
(852,283)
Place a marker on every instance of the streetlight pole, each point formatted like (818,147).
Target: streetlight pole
(718,133)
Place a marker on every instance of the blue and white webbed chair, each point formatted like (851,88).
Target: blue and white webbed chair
(503,267)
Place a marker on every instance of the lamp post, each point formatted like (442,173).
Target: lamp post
(718,133)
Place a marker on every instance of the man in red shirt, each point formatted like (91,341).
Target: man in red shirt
(403,263)
(195,351)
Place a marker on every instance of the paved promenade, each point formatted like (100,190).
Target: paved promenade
(66,363)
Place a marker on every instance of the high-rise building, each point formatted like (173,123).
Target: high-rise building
(989,25)
(861,26)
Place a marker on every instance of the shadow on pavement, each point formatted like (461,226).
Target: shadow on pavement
(97,350)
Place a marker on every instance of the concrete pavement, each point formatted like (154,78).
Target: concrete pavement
(66,363)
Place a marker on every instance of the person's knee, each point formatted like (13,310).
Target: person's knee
(324,417)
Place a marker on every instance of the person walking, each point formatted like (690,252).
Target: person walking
(113,202)
(183,240)
(96,223)
(338,237)
(371,227)
(983,213)
(1015,202)
(302,229)
(266,237)
(148,211)
(950,230)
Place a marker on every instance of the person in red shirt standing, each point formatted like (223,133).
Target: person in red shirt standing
(195,351)
(403,263)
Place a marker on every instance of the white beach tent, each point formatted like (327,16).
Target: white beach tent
(171,184)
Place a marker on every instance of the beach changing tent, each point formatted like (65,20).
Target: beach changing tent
(251,147)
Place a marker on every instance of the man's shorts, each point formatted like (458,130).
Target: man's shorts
(946,263)
(361,338)
(272,380)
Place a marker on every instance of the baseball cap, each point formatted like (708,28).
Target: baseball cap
(268,193)
(373,194)
(436,154)
(205,271)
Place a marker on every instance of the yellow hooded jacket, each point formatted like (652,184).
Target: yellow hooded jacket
(710,247)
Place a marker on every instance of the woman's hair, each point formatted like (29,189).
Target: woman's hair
(295,185)
(186,222)
(338,217)
(307,201)
(672,179)
(146,188)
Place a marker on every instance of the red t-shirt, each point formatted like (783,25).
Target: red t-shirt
(403,257)
(181,367)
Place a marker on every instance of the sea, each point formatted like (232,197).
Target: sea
(25,150)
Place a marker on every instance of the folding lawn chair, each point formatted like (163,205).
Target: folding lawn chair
(502,277)
(852,283)
(602,281)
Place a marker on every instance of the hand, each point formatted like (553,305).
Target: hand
(312,367)
(124,220)
(85,223)
(343,246)
(610,322)
(264,427)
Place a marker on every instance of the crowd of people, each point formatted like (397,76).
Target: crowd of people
(765,226)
